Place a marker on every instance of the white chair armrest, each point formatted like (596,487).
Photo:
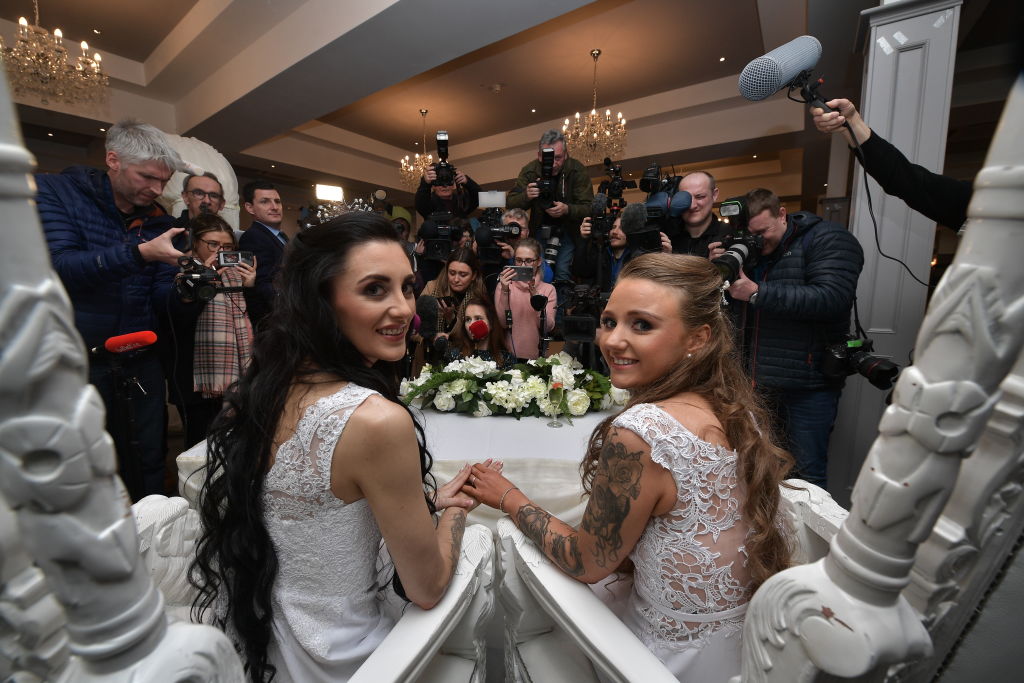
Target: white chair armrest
(815,516)
(605,640)
(410,647)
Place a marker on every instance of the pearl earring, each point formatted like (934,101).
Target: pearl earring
(689,355)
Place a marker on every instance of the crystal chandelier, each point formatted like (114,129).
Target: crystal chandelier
(593,137)
(413,168)
(39,64)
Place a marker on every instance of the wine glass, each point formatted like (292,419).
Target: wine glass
(555,395)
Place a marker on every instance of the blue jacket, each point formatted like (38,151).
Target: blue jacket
(806,289)
(94,249)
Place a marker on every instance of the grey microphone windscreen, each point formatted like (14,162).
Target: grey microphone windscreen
(634,219)
(767,75)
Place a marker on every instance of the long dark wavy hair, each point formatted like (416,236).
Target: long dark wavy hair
(235,556)
(714,372)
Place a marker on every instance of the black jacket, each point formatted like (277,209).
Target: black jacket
(464,201)
(585,261)
(940,198)
(806,289)
(682,243)
(269,251)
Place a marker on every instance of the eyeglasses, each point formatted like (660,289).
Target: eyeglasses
(217,246)
(203,194)
(525,261)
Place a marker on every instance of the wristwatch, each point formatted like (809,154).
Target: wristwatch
(753,299)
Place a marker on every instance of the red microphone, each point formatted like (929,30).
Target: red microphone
(478,329)
(128,342)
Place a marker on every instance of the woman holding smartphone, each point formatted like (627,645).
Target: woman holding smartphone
(519,298)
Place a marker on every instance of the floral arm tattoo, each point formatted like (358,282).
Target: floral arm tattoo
(616,485)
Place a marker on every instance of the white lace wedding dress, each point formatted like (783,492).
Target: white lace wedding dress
(691,583)
(327,615)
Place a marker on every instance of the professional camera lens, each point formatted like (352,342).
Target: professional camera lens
(730,263)
(881,372)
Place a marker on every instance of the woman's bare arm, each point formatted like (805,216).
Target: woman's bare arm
(377,458)
(628,489)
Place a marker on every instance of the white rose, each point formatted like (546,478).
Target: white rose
(578,402)
(481,410)
(568,361)
(606,402)
(563,374)
(444,402)
(619,396)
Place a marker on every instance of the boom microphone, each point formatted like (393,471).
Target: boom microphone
(127,342)
(634,219)
(767,75)
(599,205)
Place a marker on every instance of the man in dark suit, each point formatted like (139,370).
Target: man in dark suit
(266,241)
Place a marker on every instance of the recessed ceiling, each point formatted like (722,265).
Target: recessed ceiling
(647,47)
(129,28)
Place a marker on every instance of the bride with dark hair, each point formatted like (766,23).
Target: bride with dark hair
(314,459)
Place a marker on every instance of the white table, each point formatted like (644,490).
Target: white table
(542,461)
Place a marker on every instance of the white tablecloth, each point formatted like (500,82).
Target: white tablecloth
(542,461)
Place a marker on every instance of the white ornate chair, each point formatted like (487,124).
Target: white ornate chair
(443,644)
(558,629)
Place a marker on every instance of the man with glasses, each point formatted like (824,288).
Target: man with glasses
(265,239)
(201,194)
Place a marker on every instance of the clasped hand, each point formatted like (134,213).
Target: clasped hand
(453,493)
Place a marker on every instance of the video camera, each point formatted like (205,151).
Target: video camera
(583,307)
(614,186)
(742,248)
(491,231)
(438,236)
(445,171)
(197,282)
(665,206)
(854,355)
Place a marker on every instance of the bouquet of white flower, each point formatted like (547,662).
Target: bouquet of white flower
(479,387)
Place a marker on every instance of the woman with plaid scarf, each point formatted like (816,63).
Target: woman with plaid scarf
(206,343)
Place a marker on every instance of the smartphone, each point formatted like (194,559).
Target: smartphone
(233,258)
(447,300)
(522,273)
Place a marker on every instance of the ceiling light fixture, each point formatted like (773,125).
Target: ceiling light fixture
(594,137)
(413,168)
(38,63)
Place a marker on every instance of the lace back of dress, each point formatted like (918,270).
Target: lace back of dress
(690,562)
(299,483)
